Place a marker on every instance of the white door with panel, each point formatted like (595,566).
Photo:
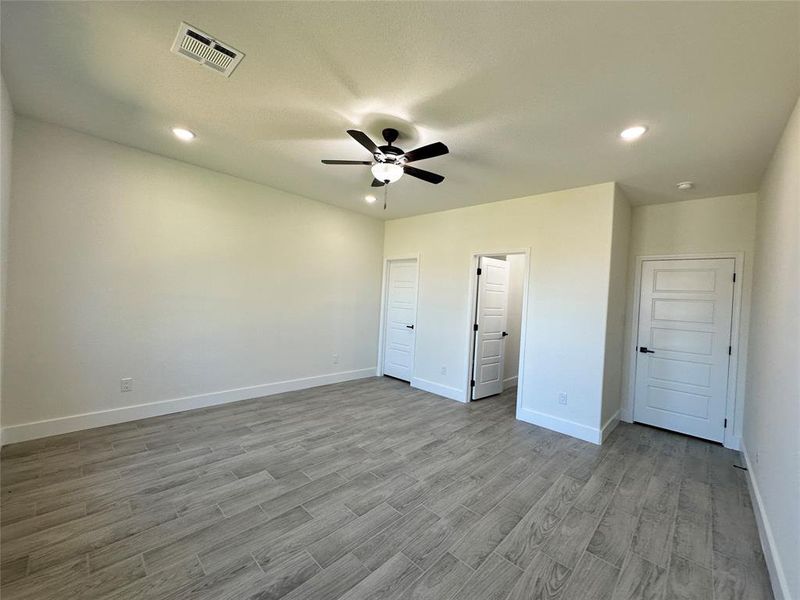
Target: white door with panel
(490,337)
(683,350)
(401,319)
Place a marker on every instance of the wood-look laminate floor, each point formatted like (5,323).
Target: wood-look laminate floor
(370,489)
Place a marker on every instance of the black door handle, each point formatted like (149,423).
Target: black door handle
(410,326)
(505,333)
(644,350)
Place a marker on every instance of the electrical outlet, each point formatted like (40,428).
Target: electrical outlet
(562,398)
(126,385)
(444,371)
(336,359)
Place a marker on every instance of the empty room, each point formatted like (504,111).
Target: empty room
(399,300)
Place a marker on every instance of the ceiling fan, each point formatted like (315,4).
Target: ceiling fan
(390,162)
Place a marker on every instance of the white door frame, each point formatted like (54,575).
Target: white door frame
(730,440)
(384,300)
(472,294)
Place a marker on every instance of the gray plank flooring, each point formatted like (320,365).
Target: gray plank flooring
(371,489)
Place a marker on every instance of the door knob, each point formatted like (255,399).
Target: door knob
(644,350)
(505,333)
(410,326)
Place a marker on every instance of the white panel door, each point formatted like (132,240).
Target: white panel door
(490,338)
(401,318)
(683,345)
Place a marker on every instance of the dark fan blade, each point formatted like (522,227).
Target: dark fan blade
(376,183)
(424,175)
(346,162)
(363,139)
(429,151)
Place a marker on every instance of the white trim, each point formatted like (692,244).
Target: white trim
(609,426)
(39,429)
(730,440)
(384,297)
(733,442)
(472,291)
(510,381)
(780,585)
(438,389)
(571,428)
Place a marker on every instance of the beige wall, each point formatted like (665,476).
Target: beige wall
(569,237)
(772,412)
(615,315)
(200,286)
(705,226)
(6,135)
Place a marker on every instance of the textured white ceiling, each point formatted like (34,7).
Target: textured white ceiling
(529,97)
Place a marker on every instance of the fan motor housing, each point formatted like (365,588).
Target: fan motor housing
(390,150)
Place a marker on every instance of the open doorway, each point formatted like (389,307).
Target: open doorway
(497,309)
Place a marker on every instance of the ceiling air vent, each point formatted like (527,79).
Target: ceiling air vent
(204,49)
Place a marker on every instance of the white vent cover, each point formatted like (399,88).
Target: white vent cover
(201,47)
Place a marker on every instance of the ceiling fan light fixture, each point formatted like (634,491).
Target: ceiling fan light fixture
(387,172)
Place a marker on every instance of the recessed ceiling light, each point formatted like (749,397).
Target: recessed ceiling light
(370,198)
(183,134)
(685,185)
(633,133)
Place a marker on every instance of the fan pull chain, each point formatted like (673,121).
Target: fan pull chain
(385,194)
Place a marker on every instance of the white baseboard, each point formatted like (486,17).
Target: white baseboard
(438,389)
(510,381)
(39,429)
(609,426)
(777,576)
(571,428)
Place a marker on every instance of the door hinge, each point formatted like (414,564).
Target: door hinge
(472,383)
(730,350)
(725,424)
(479,271)
(734,278)
(475,327)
